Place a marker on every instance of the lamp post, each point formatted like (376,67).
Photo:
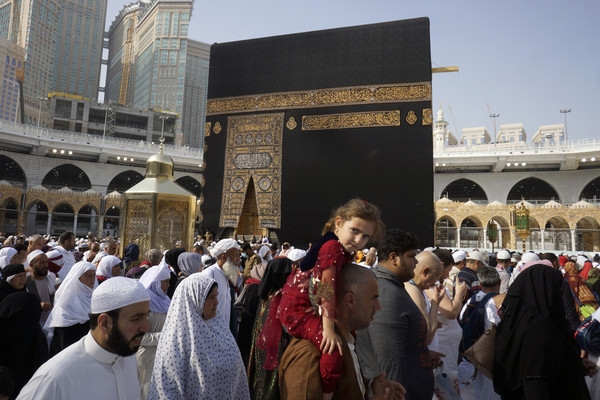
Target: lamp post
(565,111)
(494,116)
(41,99)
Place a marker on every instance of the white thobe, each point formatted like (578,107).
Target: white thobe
(224,296)
(69,259)
(84,370)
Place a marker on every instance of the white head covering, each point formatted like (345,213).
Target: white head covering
(6,254)
(223,246)
(205,258)
(458,256)
(190,263)
(73,299)
(31,256)
(116,293)
(55,257)
(265,254)
(105,266)
(528,257)
(296,254)
(581,260)
(159,301)
(197,358)
(99,256)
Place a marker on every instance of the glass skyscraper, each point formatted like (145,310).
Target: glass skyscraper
(62,43)
(153,64)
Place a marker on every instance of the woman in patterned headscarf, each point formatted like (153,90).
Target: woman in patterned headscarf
(585,302)
(197,356)
(156,281)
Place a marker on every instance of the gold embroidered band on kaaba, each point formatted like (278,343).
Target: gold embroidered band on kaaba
(351,120)
(355,95)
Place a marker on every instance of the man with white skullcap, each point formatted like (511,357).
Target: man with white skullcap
(450,282)
(41,282)
(503,258)
(226,273)
(102,365)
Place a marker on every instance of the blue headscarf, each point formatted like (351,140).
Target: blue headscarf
(132,253)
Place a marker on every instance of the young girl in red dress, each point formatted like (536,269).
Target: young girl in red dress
(307,304)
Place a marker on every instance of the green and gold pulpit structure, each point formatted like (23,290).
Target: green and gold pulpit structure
(159,213)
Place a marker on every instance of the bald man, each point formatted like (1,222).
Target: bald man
(427,272)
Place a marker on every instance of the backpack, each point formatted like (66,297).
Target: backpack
(587,336)
(473,322)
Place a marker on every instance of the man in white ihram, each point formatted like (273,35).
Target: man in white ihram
(102,365)
(226,273)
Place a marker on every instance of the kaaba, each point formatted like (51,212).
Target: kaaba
(298,124)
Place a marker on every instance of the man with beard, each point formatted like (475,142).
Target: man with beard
(41,283)
(66,243)
(395,342)
(226,273)
(102,364)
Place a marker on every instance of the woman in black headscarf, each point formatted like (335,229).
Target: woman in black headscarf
(264,383)
(171,257)
(536,356)
(246,306)
(13,280)
(24,345)
(132,255)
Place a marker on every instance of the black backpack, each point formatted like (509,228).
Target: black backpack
(473,322)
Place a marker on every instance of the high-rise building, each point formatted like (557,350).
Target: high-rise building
(120,52)
(80,33)
(9,93)
(153,64)
(196,87)
(62,42)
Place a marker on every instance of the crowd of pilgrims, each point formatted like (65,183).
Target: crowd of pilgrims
(227,319)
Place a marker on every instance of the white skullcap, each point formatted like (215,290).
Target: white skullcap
(33,255)
(223,246)
(581,260)
(118,292)
(296,254)
(503,255)
(477,256)
(458,256)
(528,257)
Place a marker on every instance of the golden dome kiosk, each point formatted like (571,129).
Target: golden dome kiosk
(159,214)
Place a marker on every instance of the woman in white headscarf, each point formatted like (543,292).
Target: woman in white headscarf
(197,356)
(156,281)
(69,319)
(108,267)
(265,254)
(6,255)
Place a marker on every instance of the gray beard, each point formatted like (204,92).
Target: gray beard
(231,271)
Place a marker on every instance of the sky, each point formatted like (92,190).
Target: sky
(525,60)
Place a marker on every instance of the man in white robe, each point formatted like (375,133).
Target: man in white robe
(226,273)
(102,365)
(66,243)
